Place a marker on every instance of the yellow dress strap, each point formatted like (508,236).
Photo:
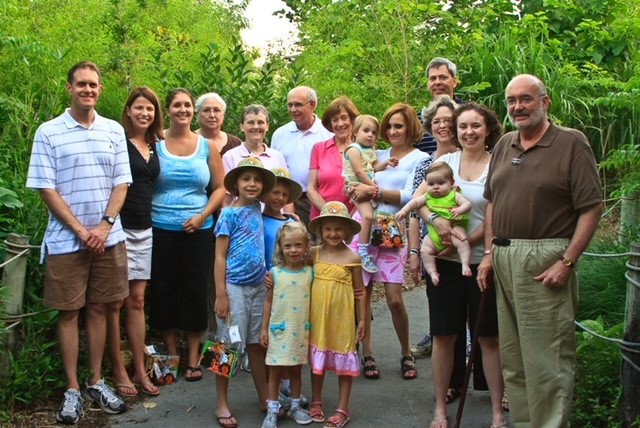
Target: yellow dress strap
(353,264)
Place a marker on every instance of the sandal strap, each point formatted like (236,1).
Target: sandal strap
(408,358)
(367,359)
(343,412)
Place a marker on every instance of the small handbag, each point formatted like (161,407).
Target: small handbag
(385,231)
(220,358)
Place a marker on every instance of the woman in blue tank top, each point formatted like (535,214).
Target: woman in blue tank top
(182,219)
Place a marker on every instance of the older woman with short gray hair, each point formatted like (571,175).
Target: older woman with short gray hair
(210,109)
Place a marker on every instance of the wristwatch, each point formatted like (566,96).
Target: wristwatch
(109,219)
(567,262)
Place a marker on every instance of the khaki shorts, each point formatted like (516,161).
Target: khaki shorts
(71,280)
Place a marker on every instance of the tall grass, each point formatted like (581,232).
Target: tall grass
(583,95)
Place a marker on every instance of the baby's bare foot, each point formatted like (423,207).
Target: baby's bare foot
(466,271)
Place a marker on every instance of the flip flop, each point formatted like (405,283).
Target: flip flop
(149,389)
(193,374)
(124,389)
(231,421)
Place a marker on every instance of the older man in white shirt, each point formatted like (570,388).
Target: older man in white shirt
(295,140)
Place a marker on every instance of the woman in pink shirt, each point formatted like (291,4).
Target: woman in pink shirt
(325,169)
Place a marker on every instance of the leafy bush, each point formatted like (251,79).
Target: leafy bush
(598,390)
(602,305)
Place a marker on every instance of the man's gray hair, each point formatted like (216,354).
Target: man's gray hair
(311,94)
(438,62)
(206,97)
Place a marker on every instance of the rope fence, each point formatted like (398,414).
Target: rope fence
(625,347)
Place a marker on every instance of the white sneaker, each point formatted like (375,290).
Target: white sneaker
(71,409)
(299,415)
(104,397)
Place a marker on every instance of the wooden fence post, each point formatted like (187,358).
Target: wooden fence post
(629,214)
(630,373)
(13,278)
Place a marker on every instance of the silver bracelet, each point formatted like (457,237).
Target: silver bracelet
(432,217)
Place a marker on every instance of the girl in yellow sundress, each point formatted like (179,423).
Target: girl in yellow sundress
(337,279)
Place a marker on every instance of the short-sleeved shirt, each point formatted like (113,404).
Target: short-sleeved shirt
(398,178)
(83,164)
(538,193)
(326,159)
(270,158)
(296,146)
(427,144)
(245,255)
(271,227)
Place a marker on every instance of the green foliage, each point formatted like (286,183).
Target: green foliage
(36,367)
(602,304)
(152,42)
(602,284)
(598,390)
(586,51)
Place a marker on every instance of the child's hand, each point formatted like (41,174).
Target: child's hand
(401,215)
(393,161)
(268,281)
(361,330)
(456,212)
(264,337)
(294,216)
(221,307)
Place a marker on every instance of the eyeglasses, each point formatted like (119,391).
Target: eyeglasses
(437,122)
(296,105)
(524,100)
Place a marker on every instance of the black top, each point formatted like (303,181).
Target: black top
(136,211)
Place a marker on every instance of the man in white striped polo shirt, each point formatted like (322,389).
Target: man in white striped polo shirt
(80,166)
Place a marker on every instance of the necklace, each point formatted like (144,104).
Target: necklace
(141,150)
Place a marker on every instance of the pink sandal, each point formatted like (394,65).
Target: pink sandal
(338,420)
(315,411)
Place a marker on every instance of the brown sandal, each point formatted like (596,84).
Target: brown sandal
(408,367)
(369,368)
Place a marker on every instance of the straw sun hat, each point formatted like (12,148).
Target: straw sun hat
(282,175)
(231,179)
(334,209)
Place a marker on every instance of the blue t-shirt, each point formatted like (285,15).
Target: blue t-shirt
(245,255)
(271,227)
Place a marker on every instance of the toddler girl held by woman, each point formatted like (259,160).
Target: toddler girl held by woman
(285,321)
(360,166)
(333,336)
(444,200)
